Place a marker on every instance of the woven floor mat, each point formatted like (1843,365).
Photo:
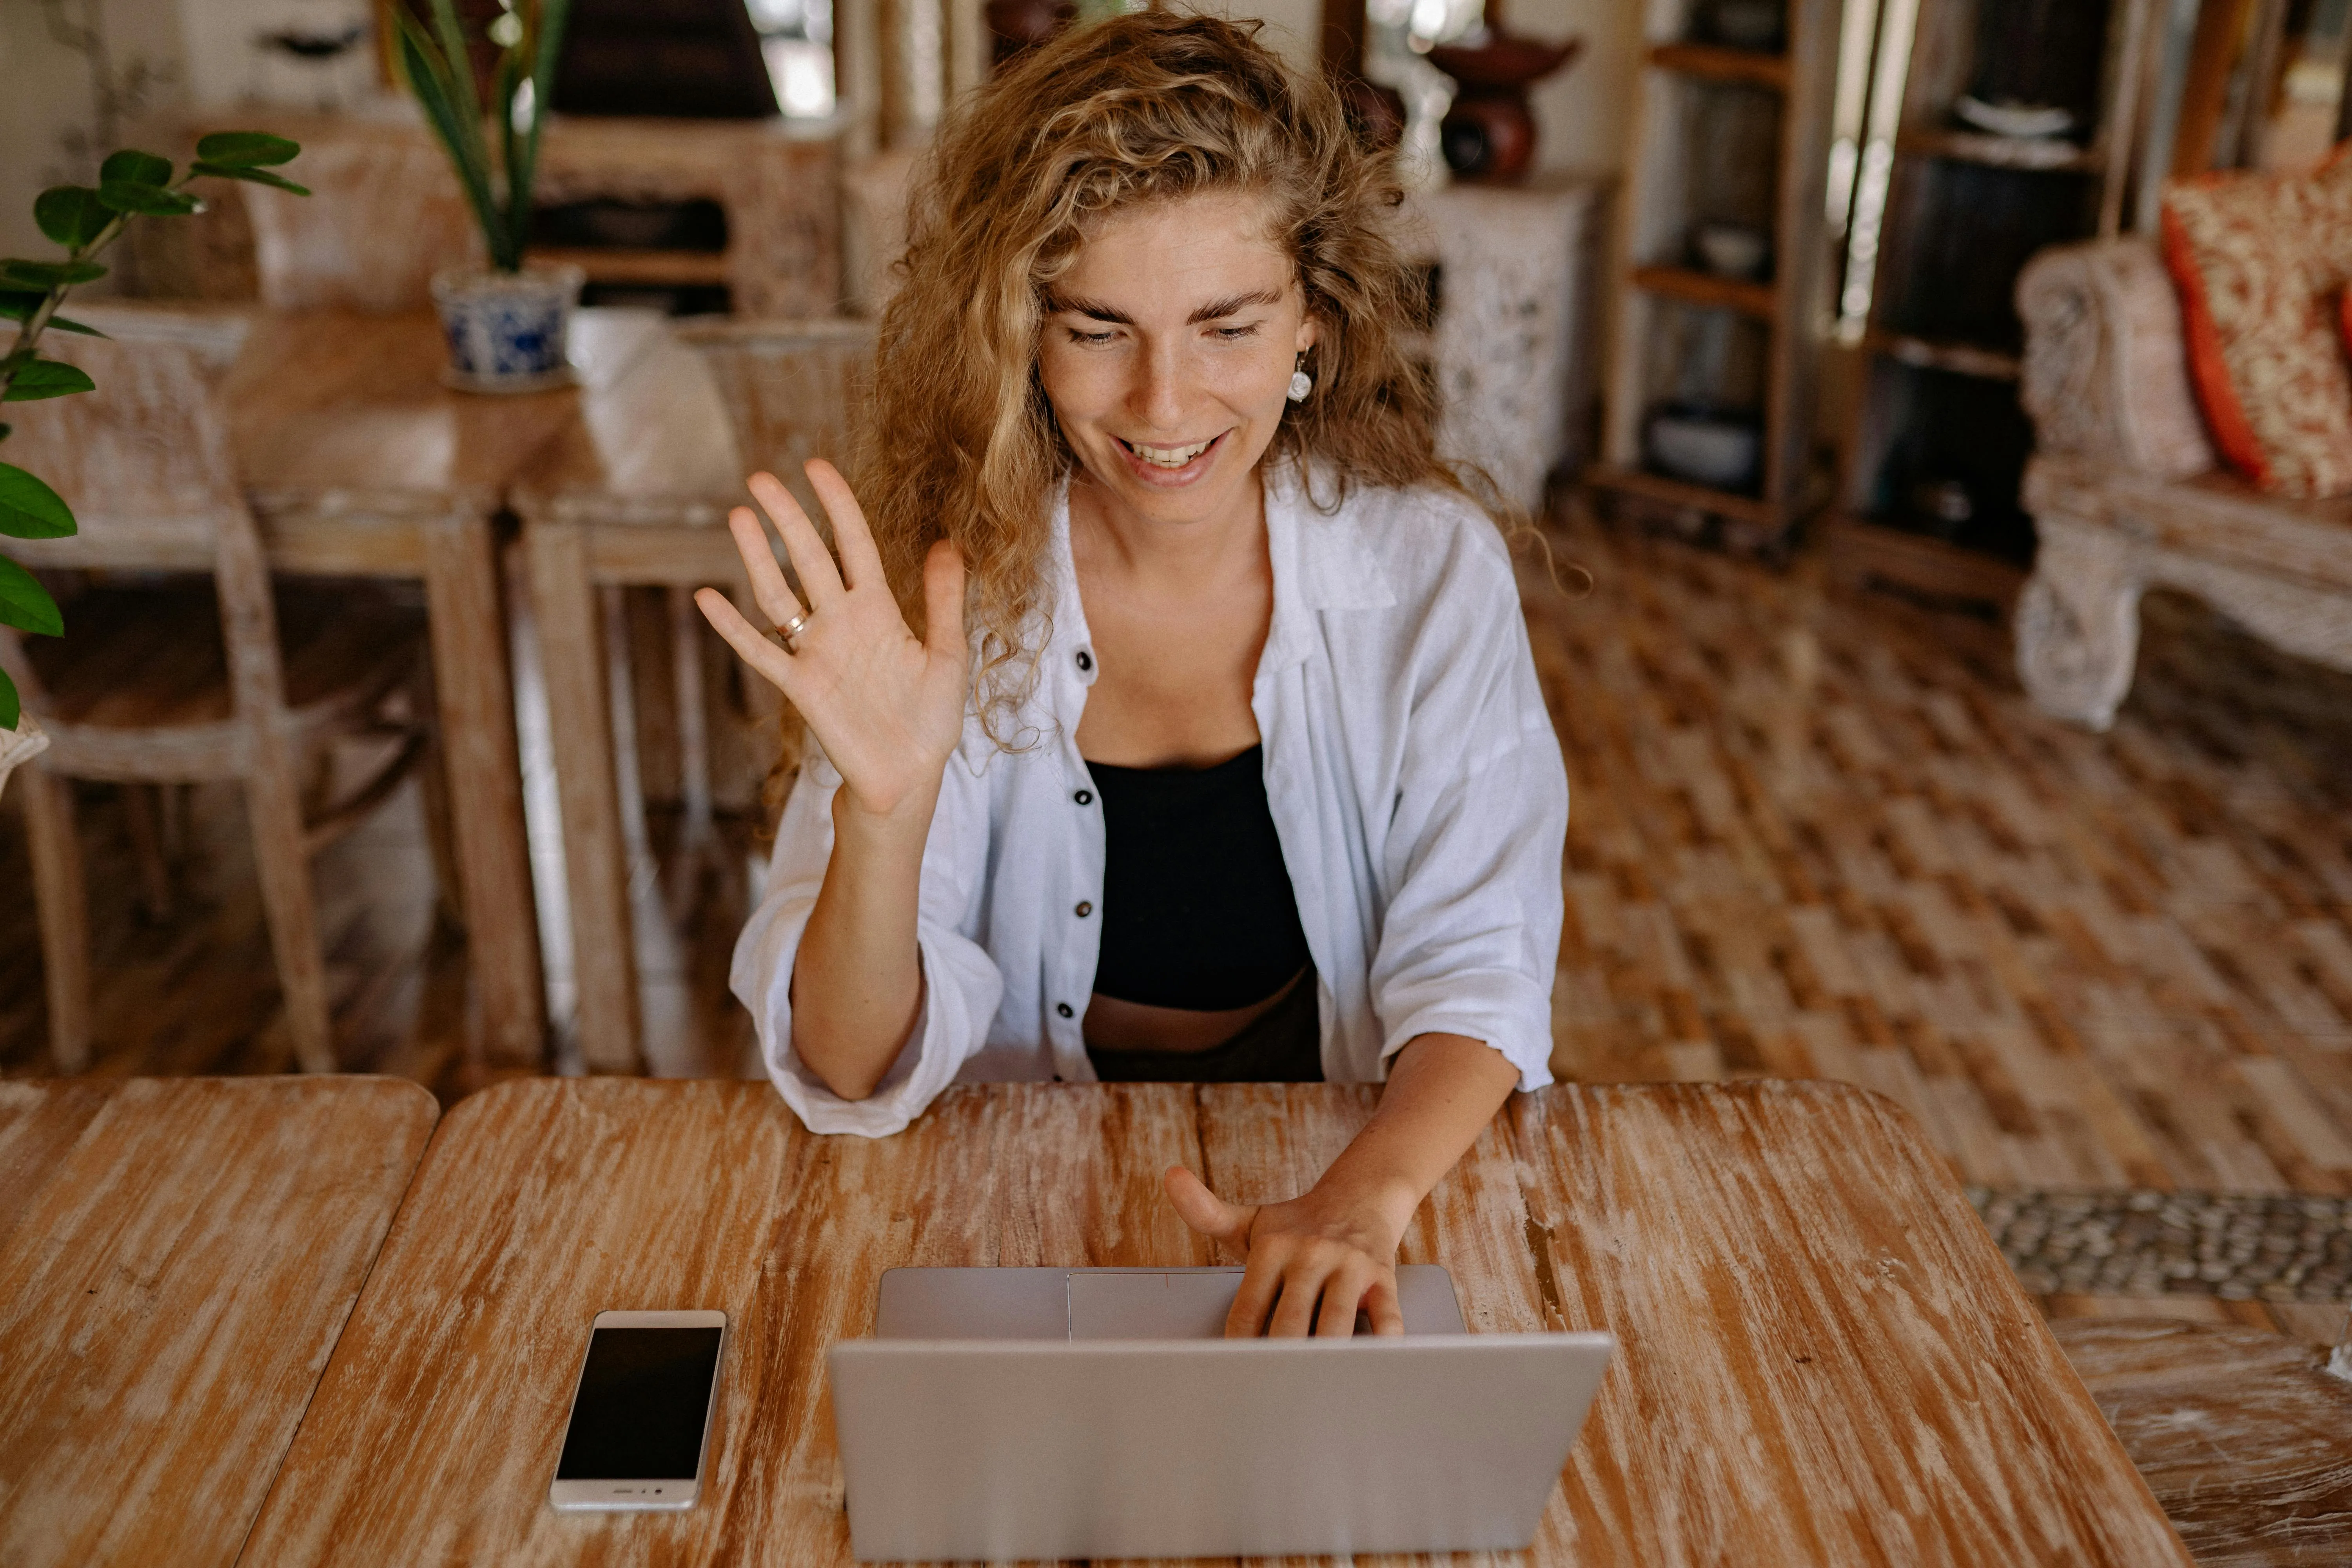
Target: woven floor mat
(2140,1242)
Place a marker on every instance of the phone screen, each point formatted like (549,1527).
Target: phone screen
(644,1396)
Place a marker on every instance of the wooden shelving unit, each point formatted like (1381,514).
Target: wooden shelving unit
(1929,493)
(1729,136)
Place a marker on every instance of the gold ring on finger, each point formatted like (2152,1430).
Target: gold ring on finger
(790,629)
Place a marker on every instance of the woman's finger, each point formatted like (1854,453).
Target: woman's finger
(1206,1213)
(1303,1281)
(1261,1285)
(1380,1304)
(811,562)
(769,590)
(1343,1297)
(943,603)
(745,638)
(861,561)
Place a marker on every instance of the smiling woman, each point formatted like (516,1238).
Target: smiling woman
(1219,755)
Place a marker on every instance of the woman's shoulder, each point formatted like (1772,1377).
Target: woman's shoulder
(1423,547)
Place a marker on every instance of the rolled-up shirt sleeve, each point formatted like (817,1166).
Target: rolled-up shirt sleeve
(1469,943)
(961,985)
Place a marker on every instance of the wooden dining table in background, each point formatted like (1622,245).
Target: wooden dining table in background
(1822,1357)
(359,462)
(177,1257)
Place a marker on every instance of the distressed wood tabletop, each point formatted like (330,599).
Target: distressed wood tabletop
(176,1258)
(1824,1358)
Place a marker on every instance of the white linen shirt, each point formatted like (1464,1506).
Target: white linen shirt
(1416,788)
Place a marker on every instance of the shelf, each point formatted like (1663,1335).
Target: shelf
(2039,154)
(616,265)
(1712,62)
(1926,353)
(1682,492)
(1695,288)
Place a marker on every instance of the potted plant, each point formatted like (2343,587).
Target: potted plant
(505,326)
(85,220)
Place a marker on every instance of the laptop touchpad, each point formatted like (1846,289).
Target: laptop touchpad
(1151,1304)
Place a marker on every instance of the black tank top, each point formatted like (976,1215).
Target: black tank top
(1198,911)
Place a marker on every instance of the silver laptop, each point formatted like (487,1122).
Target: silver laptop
(1058,1413)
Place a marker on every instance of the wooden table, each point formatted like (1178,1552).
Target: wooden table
(359,462)
(635,493)
(1824,1359)
(176,1258)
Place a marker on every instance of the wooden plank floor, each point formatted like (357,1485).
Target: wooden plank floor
(1812,835)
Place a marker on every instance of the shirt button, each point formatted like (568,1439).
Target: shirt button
(1084,910)
(1085,798)
(1063,1009)
(1086,659)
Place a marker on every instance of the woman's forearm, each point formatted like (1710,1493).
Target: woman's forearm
(857,980)
(1442,1091)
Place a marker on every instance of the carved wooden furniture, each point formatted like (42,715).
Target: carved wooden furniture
(1514,342)
(181,685)
(177,1258)
(2125,495)
(386,211)
(2244,1436)
(1824,1359)
(1736,137)
(1945,215)
(640,497)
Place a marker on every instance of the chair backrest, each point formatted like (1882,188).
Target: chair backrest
(146,464)
(385,214)
(145,461)
(791,388)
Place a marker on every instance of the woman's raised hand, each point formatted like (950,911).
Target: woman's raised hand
(887,706)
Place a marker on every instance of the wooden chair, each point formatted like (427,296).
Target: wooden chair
(190,681)
(2244,1436)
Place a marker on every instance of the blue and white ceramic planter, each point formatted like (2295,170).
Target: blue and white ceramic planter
(506,331)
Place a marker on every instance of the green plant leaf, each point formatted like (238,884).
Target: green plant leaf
(48,378)
(245,149)
(30,509)
(47,275)
(252,176)
(522,168)
(144,200)
(11,708)
(71,215)
(17,304)
(429,76)
(130,168)
(26,605)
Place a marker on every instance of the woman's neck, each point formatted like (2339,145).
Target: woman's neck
(1107,536)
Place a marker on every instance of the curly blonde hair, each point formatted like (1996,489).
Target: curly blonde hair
(957,439)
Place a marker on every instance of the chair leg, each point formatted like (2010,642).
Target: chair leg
(433,795)
(59,889)
(273,803)
(142,813)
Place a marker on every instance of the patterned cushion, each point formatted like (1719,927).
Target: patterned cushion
(2260,260)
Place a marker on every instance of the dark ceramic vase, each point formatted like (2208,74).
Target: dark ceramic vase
(1489,134)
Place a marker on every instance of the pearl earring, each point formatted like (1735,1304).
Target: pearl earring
(1301,384)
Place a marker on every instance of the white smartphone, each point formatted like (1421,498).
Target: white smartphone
(640,1427)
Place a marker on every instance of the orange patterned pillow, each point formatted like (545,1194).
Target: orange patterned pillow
(2256,258)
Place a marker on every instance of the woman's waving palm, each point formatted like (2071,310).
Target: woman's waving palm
(887,706)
